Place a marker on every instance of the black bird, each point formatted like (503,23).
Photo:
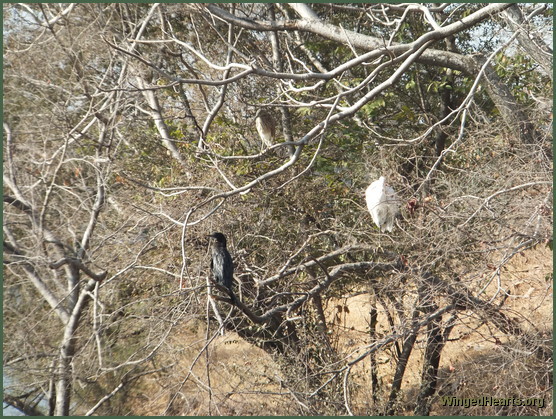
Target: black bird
(221,265)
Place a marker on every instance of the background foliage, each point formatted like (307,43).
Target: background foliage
(129,136)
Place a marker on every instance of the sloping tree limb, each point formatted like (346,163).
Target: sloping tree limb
(18,258)
(374,45)
(358,40)
(499,92)
(155,112)
(530,41)
(21,405)
(409,58)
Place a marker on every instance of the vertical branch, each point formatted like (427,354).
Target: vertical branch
(430,364)
(67,352)
(407,348)
(346,391)
(52,388)
(278,66)
(446,104)
(97,328)
(373,319)
(223,91)
(436,340)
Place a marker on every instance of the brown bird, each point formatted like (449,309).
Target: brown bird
(266,127)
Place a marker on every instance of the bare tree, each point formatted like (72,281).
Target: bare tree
(129,135)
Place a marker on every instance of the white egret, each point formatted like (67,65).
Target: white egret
(383,204)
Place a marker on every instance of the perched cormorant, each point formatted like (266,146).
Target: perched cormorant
(221,264)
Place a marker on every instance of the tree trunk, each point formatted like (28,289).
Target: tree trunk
(373,319)
(509,109)
(278,66)
(64,376)
(391,407)
(408,344)
(431,362)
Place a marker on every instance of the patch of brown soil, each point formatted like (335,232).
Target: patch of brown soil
(477,361)
(473,346)
(240,380)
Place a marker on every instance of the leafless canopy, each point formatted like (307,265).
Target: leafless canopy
(129,135)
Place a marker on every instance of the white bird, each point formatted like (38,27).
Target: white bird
(383,204)
(265,127)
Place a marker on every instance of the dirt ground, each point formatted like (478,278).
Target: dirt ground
(477,361)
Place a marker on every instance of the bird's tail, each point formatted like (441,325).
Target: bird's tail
(232,296)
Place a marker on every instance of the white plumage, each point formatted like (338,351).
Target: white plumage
(383,204)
